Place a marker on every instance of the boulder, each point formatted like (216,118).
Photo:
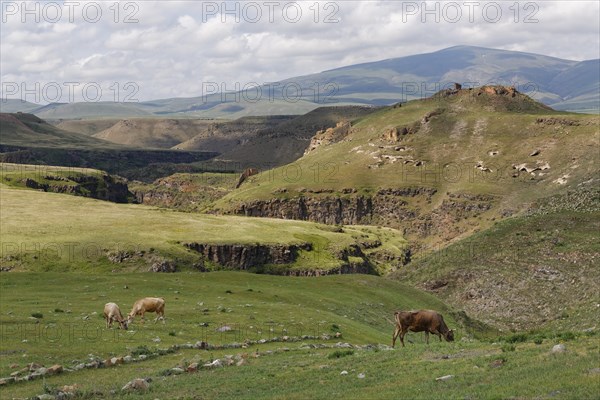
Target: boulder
(136,385)
(55,369)
(193,367)
(559,348)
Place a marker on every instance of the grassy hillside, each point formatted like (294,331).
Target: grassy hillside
(28,130)
(68,330)
(184,191)
(85,126)
(56,232)
(480,156)
(524,272)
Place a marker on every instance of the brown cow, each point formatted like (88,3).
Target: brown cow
(113,313)
(148,304)
(421,321)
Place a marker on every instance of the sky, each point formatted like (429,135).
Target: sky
(143,50)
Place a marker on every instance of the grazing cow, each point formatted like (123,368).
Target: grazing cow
(148,304)
(421,321)
(113,313)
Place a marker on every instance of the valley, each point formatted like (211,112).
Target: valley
(283,238)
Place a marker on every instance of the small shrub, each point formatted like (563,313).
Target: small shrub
(141,350)
(517,338)
(249,290)
(335,328)
(37,315)
(228,292)
(566,336)
(508,347)
(59,310)
(538,340)
(340,354)
(172,333)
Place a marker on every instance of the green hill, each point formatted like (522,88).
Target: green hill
(438,169)
(117,237)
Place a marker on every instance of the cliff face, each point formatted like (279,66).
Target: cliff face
(244,256)
(102,187)
(393,208)
(385,207)
(279,259)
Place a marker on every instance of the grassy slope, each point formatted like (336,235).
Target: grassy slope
(85,126)
(357,304)
(524,272)
(360,306)
(450,144)
(73,233)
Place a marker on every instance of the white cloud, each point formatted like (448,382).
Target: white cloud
(171,48)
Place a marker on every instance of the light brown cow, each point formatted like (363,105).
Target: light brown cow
(148,304)
(113,313)
(427,321)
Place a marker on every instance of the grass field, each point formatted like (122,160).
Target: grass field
(57,232)
(69,330)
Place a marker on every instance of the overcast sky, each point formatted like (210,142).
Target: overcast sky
(169,49)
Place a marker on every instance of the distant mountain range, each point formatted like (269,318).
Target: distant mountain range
(561,84)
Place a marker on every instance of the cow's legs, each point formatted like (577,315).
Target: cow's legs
(427,337)
(395,335)
(402,333)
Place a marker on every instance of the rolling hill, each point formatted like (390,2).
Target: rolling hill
(562,84)
(26,139)
(438,169)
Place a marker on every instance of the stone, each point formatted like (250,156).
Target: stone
(117,360)
(70,388)
(177,371)
(361,376)
(128,359)
(136,384)
(559,348)
(45,396)
(241,362)
(344,372)
(55,369)
(444,378)
(216,363)
(193,367)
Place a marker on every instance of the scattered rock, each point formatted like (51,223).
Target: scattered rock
(361,376)
(215,364)
(70,388)
(13,366)
(241,362)
(535,153)
(177,371)
(594,371)
(45,396)
(128,359)
(444,378)
(193,367)
(344,372)
(136,384)
(224,328)
(559,348)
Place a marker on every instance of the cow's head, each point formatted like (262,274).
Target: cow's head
(449,336)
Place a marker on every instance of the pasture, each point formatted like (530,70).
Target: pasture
(56,318)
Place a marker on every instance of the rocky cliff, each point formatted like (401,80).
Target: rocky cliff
(97,186)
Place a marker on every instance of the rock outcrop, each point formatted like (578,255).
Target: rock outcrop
(245,256)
